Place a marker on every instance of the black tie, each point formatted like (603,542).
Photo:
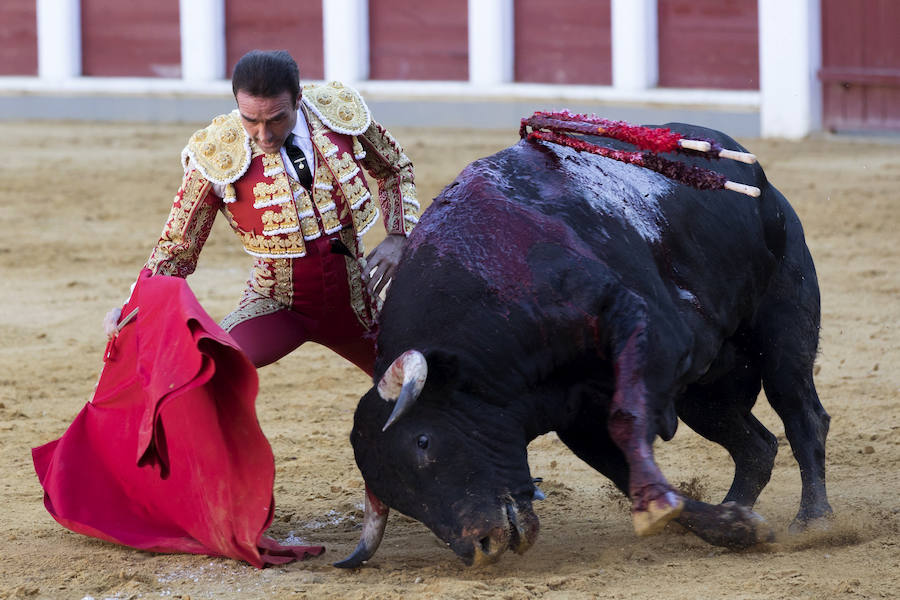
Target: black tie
(304,175)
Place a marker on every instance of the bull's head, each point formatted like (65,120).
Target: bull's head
(432,449)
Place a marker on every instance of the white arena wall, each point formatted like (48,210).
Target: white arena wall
(788,103)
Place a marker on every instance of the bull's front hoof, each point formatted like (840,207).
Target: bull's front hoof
(523,526)
(488,550)
(729,525)
(519,534)
(657,515)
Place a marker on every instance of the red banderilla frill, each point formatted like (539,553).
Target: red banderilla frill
(554,127)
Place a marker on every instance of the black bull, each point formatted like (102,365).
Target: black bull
(547,290)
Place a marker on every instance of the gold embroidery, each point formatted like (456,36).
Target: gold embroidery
(321,197)
(364,306)
(358,152)
(284,281)
(273,278)
(302,200)
(356,192)
(262,281)
(408,191)
(255,150)
(252,305)
(310,229)
(341,108)
(186,229)
(322,142)
(221,151)
(282,221)
(325,200)
(387,163)
(267,194)
(330,221)
(364,218)
(272,164)
(289,245)
(323,180)
(230,193)
(308,224)
(194,189)
(354,245)
(343,168)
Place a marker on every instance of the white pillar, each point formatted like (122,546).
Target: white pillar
(345,36)
(59,39)
(491,46)
(635,44)
(202,25)
(790,54)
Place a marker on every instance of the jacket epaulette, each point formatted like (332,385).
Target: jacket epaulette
(220,151)
(340,107)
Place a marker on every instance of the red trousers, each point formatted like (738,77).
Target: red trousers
(321,312)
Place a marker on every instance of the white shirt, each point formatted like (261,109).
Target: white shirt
(304,142)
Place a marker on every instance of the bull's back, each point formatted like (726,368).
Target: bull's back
(635,220)
(505,228)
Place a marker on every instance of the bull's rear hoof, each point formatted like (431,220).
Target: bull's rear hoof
(799,526)
(729,525)
(657,515)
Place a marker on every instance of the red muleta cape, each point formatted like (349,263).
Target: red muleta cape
(168,456)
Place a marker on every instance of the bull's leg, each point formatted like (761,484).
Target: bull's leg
(791,392)
(787,336)
(598,450)
(654,502)
(720,412)
(728,524)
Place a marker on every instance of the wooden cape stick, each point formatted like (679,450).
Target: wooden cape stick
(702,146)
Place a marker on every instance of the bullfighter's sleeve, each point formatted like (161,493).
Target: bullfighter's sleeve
(385,160)
(189,223)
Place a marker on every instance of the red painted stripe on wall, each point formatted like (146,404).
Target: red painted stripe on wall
(18,38)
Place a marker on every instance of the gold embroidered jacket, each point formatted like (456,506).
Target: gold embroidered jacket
(272,214)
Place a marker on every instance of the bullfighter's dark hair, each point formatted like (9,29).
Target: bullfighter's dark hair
(266,74)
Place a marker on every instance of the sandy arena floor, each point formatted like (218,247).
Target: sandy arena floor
(82,204)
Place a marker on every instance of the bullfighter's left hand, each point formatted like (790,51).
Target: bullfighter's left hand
(381,263)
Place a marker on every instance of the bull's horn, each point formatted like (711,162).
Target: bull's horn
(403,382)
(374,521)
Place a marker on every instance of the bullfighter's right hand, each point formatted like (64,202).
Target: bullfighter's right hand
(381,263)
(111,322)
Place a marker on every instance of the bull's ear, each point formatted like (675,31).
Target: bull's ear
(444,369)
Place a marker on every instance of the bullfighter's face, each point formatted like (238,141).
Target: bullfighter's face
(268,121)
(463,473)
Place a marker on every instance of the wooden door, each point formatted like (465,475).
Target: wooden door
(709,44)
(563,42)
(130,39)
(18,38)
(860,65)
(286,25)
(419,40)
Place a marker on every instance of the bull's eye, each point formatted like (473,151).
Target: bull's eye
(422,442)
